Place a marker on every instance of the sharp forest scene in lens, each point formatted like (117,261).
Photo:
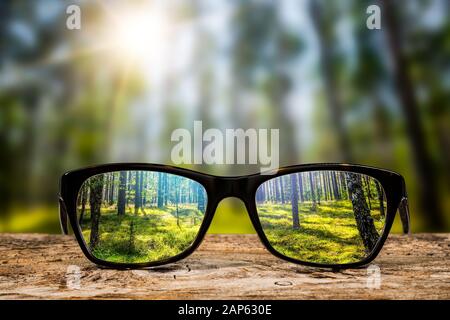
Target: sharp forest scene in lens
(139,216)
(325,217)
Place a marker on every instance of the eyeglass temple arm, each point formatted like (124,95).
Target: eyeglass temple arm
(403,209)
(63,217)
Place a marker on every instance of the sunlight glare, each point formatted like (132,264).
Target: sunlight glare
(140,35)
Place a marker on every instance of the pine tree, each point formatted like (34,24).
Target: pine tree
(313,194)
(294,202)
(95,201)
(201,199)
(121,201)
(160,190)
(364,220)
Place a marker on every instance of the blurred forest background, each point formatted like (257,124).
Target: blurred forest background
(116,89)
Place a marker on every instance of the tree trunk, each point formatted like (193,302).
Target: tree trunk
(280,182)
(300,187)
(294,202)
(313,195)
(335,186)
(325,185)
(177,200)
(166,189)
(143,189)
(343,186)
(260,195)
(428,193)
(201,199)
(369,194)
(160,190)
(364,220)
(318,186)
(121,201)
(380,198)
(137,192)
(275,183)
(95,201)
(111,190)
(324,36)
(329,187)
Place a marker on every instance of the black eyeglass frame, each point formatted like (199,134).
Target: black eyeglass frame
(242,187)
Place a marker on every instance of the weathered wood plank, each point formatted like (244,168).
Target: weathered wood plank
(226,266)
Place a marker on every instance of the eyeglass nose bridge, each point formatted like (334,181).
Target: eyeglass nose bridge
(234,187)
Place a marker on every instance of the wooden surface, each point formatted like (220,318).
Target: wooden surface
(225,266)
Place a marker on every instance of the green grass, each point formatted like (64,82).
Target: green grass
(143,237)
(327,235)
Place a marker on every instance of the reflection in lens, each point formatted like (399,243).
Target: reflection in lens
(140,216)
(326,217)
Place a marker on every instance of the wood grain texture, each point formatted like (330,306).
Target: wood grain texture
(224,267)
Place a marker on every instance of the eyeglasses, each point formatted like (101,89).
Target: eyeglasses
(143,215)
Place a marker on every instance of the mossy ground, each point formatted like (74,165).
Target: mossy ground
(153,235)
(327,235)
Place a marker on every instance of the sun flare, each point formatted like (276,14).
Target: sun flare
(140,34)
